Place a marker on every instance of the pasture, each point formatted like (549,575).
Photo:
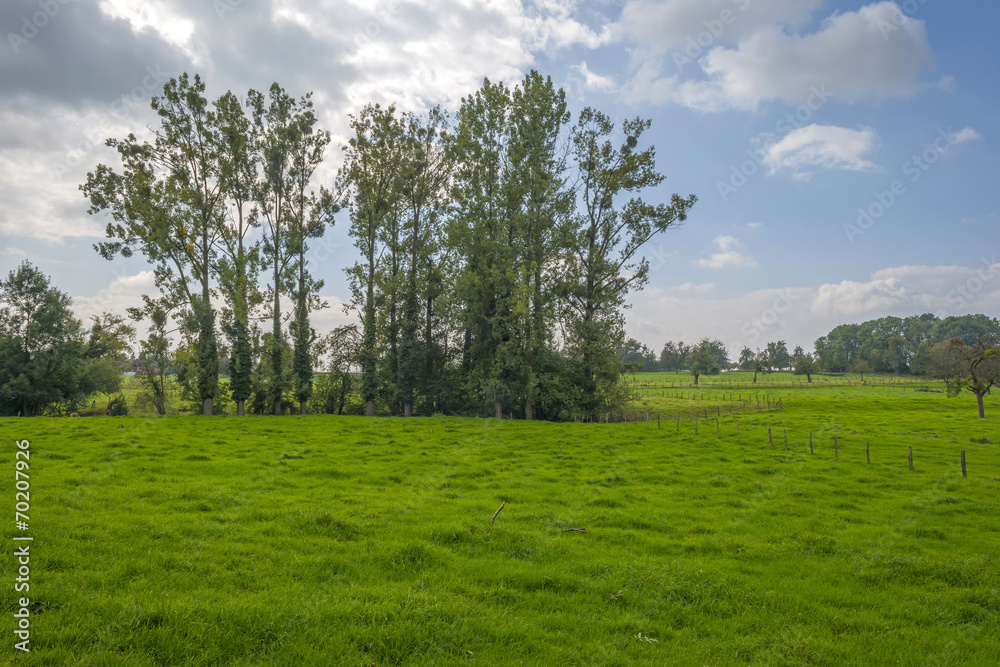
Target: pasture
(324,540)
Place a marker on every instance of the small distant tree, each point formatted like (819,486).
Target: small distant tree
(154,361)
(973,367)
(806,365)
(758,361)
(777,353)
(797,354)
(707,358)
(673,356)
(860,367)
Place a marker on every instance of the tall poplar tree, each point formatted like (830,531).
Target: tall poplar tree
(290,148)
(604,263)
(368,184)
(167,203)
(239,261)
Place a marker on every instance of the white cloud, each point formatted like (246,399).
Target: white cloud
(699,288)
(593,81)
(966,134)
(853,54)
(851,298)
(825,146)
(943,290)
(124,291)
(690,25)
(726,257)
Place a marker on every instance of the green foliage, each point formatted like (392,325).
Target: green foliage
(673,356)
(895,345)
(806,365)
(707,358)
(43,358)
(963,366)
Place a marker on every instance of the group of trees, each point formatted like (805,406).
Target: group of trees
(219,197)
(496,249)
(47,357)
(898,345)
(497,252)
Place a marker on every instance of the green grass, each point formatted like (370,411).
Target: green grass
(343,540)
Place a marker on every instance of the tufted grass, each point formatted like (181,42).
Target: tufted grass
(343,540)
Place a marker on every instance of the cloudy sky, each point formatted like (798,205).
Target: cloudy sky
(843,153)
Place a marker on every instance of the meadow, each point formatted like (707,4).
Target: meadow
(321,540)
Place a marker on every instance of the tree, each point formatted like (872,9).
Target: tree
(778,356)
(806,365)
(41,345)
(289,152)
(367,184)
(637,357)
(797,354)
(601,266)
(758,361)
(673,356)
(488,239)
(707,358)
(860,367)
(425,173)
(962,366)
(166,203)
(108,347)
(970,329)
(155,359)
(239,261)
(309,216)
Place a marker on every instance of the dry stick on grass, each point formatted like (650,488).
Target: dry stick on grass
(574,530)
(497,512)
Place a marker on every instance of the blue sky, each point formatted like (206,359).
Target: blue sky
(843,153)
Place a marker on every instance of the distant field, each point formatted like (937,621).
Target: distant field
(342,540)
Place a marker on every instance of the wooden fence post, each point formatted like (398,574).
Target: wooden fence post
(911,457)
(810,442)
(717,435)
(963,464)
(868,451)
(770,441)
(696,426)
(785,432)
(678,423)
(836,454)
(738,433)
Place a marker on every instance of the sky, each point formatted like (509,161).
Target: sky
(843,153)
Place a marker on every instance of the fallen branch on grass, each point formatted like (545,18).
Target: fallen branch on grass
(497,512)
(578,530)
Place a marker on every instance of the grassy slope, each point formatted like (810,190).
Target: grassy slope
(323,540)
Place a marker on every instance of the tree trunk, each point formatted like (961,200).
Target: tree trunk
(302,407)
(369,408)
(754,377)
(695,379)
(407,409)
(206,407)
(497,410)
(979,401)
(809,377)
(529,409)
(240,408)
(277,407)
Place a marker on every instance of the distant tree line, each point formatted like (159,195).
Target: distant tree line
(496,251)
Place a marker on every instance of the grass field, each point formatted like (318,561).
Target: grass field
(342,540)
